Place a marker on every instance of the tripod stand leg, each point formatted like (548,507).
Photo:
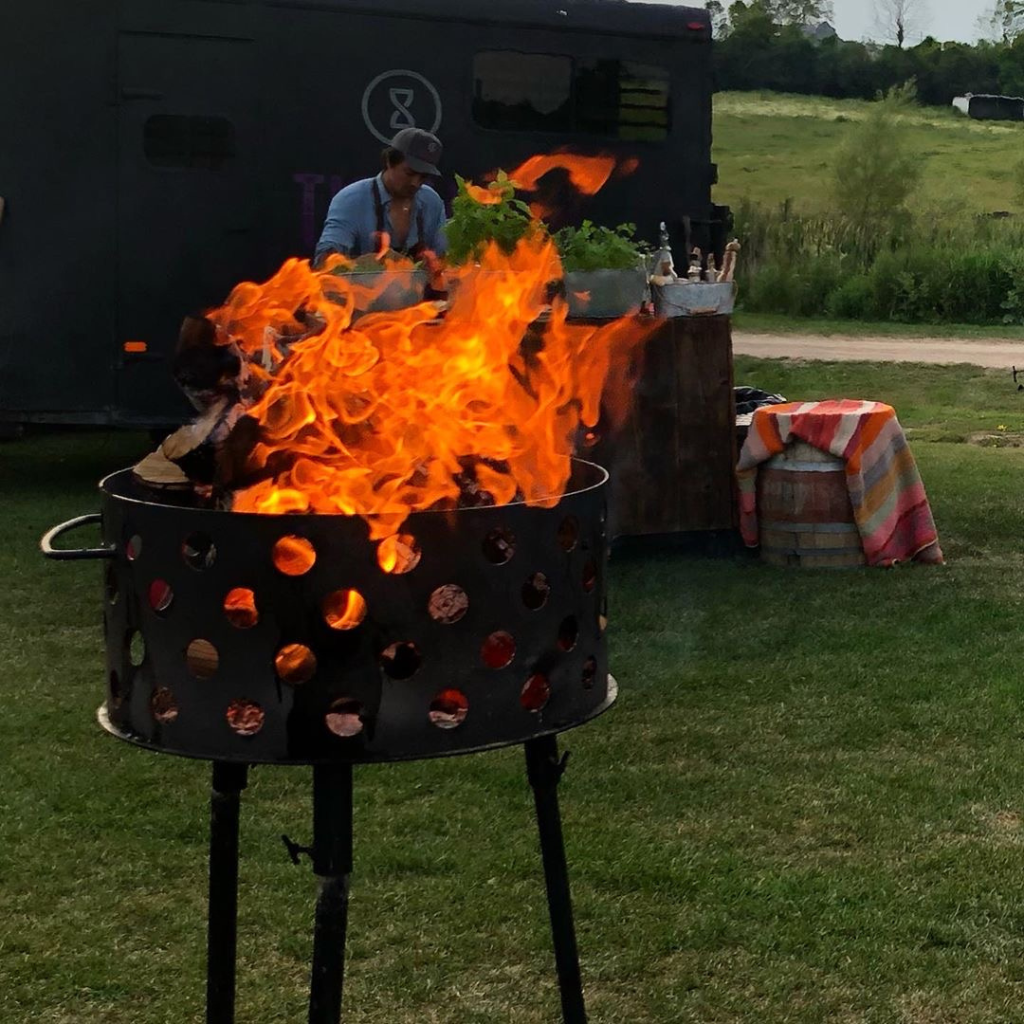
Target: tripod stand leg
(332,862)
(544,770)
(228,782)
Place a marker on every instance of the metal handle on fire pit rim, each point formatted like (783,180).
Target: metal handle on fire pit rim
(69,554)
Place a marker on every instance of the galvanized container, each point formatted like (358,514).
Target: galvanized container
(685,298)
(605,294)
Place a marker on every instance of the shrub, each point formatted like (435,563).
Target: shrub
(875,170)
(853,299)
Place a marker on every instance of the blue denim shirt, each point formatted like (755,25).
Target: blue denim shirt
(352,220)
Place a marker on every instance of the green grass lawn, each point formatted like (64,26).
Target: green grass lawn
(775,323)
(808,805)
(770,147)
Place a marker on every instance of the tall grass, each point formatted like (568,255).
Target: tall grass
(944,266)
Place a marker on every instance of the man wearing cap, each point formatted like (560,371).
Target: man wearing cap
(392,210)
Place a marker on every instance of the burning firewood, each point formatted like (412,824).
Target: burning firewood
(195,446)
(217,379)
(157,471)
(205,369)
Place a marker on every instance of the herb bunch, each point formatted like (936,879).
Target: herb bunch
(493,215)
(590,247)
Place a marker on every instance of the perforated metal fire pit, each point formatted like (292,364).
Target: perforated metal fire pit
(295,639)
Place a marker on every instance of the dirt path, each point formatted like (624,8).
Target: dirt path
(995,354)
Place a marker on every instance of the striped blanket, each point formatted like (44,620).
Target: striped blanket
(889,503)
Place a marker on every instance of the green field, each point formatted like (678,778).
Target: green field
(771,147)
(774,323)
(808,805)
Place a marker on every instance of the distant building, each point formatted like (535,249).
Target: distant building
(983,107)
(820,32)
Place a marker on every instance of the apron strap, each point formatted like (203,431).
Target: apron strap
(378,206)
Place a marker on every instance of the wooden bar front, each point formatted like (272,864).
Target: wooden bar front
(672,462)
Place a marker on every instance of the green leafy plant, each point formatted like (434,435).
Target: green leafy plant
(590,247)
(499,218)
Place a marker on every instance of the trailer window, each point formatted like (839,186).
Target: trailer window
(176,140)
(522,91)
(623,100)
(547,93)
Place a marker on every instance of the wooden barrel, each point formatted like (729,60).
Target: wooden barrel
(804,513)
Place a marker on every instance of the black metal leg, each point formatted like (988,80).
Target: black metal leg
(332,862)
(544,770)
(228,782)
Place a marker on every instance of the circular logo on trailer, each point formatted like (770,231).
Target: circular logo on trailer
(400,99)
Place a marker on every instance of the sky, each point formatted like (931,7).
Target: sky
(944,19)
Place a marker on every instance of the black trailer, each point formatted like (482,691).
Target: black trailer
(155,152)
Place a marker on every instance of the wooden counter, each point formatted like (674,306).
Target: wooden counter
(672,463)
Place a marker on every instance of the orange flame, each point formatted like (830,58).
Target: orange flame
(344,609)
(484,196)
(587,173)
(401,411)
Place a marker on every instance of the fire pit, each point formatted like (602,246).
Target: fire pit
(296,640)
(246,638)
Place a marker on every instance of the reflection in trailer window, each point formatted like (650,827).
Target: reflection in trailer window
(522,91)
(547,93)
(623,100)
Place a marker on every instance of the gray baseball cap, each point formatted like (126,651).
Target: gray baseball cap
(422,151)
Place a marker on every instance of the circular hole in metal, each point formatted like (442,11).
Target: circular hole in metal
(448,604)
(136,648)
(589,673)
(113,590)
(499,546)
(161,597)
(536,591)
(345,717)
(245,717)
(199,551)
(401,660)
(117,690)
(240,608)
(498,649)
(295,664)
(536,692)
(448,709)
(293,556)
(202,659)
(344,609)
(568,633)
(133,548)
(399,554)
(163,705)
(589,576)
(568,533)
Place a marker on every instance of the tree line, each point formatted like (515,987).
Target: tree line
(762,45)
